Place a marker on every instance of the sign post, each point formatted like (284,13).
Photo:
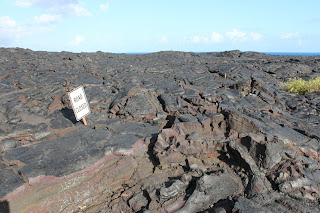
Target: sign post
(79,104)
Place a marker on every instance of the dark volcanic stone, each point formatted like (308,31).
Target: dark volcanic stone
(60,122)
(9,180)
(139,104)
(168,103)
(168,131)
(8,143)
(209,190)
(67,154)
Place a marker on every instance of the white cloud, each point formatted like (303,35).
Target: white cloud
(62,7)
(77,40)
(163,39)
(47,19)
(104,7)
(23,3)
(256,36)
(9,29)
(290,35)
(237,36)
(75,9)
(216,37)
(11,32)
(44,3)
(233,35)
(6,21)
(196,39)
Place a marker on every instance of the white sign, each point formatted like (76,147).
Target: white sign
(79,102)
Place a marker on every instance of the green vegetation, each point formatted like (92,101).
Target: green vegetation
(302,87)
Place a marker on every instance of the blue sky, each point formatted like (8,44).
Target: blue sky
(149,26)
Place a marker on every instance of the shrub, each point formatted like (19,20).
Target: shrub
(302,87)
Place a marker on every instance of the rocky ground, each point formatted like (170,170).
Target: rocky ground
(168,132)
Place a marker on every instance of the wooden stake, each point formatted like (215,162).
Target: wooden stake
(84,121)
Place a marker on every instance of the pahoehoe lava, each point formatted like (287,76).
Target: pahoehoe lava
(168,132)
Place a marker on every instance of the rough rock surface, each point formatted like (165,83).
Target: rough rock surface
(168,132)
